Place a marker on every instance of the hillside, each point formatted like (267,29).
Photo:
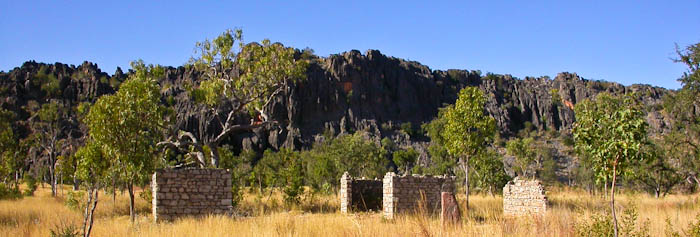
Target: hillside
(343,93)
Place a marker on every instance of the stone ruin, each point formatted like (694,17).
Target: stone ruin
(394,194)
(360,194)
(524,197)
(191,192)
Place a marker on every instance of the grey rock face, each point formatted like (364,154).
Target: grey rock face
(349,92)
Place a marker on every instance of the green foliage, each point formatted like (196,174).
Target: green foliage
(74,200)
(10,161)
(146,195)
(489,173)
(93,166)
(556,98)
(48,82)
(407,128)
(655,174)
(127,125)
(327,161)
(65,230)
(598,225)
(240,170)
(468,129)
(602,225)
(30,181)
(611,131)
(262,69)
(9,192)
(523,149)
(405,159)
(682,142)
(293,173)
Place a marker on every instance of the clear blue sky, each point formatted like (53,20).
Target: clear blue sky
(622,41)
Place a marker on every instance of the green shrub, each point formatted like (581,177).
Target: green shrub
(407,128)
(146,195)
(602,225)
(30,181)
(74,199)
(7,192)
(65,230)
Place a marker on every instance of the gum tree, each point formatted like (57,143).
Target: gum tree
(611,131)
(468,130)
(49,135)
(127,125)
(239,79)
(93,169)
(684,139)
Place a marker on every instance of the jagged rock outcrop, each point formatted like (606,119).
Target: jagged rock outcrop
(344,93)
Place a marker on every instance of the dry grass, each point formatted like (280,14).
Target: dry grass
(318,216)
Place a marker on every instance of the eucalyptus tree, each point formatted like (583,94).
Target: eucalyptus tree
(92,168)
(611,132)
(49,127)
(468,130)
(524,152)
(10,165)
(127,125)
(239,79)
(684,107)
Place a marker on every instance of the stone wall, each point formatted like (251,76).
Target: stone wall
(524,197)
(402,194)
(190,192)
(359,194)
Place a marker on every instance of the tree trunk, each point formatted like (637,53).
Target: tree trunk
(52,177)
(214,148)
(612,199)
(605,189)
(657,190)
(89,218)
(75,183)
(466,183)
(114,190)
(86,216)
(132,212)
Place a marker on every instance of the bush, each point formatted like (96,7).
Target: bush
(7,192)
(65,230)
(407,128)
(74,199)
(146,195)
(602,225)
(30,181)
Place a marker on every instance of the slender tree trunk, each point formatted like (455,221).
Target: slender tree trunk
(90,217)
(132,212)
(75,183)
(605,189)
(466,182)
(612,199)
(86,216)
(52,176)
(114,190)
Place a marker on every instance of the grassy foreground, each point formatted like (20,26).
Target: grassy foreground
(318,216)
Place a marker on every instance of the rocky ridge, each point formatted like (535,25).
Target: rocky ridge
(344,93)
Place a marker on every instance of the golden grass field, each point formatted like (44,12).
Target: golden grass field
(319,216)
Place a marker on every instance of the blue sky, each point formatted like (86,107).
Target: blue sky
(622,41)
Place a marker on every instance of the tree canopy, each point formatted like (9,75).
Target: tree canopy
(611,131)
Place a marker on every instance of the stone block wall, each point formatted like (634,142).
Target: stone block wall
(190,192)
(359,194)
(402,194)
(524,197)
